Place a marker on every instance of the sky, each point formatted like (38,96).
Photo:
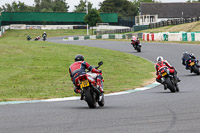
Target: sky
(71,3)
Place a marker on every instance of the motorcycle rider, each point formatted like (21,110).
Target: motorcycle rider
(78,68)
(135,41)
(37,38)
(44,35)
(186,57)
(28,38)
(163,63)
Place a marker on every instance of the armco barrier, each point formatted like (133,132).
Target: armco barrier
(172,36)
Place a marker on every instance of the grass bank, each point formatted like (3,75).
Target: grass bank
(39,70)
(187,27)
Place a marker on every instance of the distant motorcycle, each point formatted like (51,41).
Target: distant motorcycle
(37,38)
(44,37)
(169,80)
(90,94)
(192,65)
(28,38)
(135,42)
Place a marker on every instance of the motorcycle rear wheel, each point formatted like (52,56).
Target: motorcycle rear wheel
(138,49)
(196,70)
(170,85)
(89,98)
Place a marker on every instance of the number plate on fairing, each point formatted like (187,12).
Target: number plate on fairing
(163,74)
(192,64)
(84,83)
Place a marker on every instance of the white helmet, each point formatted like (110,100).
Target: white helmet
(159,58)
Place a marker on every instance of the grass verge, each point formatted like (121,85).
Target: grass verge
(39,70)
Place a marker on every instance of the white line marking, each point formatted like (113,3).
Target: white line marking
(78,97)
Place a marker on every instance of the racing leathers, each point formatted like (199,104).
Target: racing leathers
(135,41)
(78,68)
(161,65)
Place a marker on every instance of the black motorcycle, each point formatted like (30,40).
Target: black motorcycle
(169,80)
(89,92)
(192,65)
(44,37)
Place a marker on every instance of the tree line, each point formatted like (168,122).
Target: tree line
(123,7)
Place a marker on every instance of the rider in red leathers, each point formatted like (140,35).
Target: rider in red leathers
(78,68)
(135,41)
(161,64)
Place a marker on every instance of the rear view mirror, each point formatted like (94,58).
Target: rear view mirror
(100,63)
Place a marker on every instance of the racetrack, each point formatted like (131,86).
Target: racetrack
(150,111)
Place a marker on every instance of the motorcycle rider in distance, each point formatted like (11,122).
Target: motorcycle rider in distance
(186,57)
(44,35)
(163,63)
(78,68)
(135,41)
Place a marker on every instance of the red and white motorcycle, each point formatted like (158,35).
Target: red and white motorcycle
(90,92)
(135,42)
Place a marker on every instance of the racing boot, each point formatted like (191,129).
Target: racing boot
(79,91)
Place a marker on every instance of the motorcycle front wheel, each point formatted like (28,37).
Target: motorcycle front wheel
(102,102)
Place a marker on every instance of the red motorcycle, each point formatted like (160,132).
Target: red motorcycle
(90,92)
(37,38)
(136,43)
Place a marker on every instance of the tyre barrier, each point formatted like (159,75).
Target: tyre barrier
(105,36)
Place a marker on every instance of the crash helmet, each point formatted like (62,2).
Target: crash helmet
(79,57)
(134,38)
(159,59)
(185,52)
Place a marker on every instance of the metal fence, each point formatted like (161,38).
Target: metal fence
(173,22)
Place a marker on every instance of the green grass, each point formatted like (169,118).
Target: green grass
(187,27)
(21,34)
(39,70)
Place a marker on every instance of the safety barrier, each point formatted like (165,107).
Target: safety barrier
(172,36)
(105,36)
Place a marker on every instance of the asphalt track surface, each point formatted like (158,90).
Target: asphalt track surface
(149,111)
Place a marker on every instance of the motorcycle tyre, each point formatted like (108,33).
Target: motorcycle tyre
(89,98)
(138,49)
(102,102)
(177,88)
(196,70)
(170,85)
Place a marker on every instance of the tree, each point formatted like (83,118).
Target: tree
(60,6)
(81,7)
(40,6)
(124,8)
(16,7)
(92,18)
